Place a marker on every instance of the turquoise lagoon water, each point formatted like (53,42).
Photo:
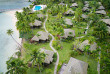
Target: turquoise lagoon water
(7,44)
(37,8)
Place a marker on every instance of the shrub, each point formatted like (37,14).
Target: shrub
(54,57)
(48,71)
(73,53)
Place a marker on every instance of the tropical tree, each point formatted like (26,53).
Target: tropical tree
(10,32)
(100,30)
(37,58)
(15,66)
(78,14)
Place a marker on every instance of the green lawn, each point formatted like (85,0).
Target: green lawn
(77,31)
(65,56)
(65,52)
(92,63)
(46,70)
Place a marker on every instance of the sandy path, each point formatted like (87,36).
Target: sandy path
(56,64)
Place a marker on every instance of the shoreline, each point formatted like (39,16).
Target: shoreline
(11,13)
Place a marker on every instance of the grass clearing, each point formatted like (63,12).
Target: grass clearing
(92,63)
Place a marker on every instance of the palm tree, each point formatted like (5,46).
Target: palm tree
(100,30)
(10,32)
(15,66)
(37,58)
(78,14)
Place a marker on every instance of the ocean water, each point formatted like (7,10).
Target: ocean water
(7,45)
(13,4)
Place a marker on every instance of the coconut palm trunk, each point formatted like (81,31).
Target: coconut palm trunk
(10,32)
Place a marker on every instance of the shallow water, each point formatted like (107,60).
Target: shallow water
(7,44)
(13,4)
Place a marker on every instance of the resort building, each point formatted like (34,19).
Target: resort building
(40,16)
(100,3)
(74,66)
(84,16)
(68,22)
(101,12)
(86,5)
(107,21)
(82,45)
(40,36)
(68,33)
(85,9)
(101,8)
(62,4)
(74,5)
(86,2)
(108,29)
(37,23)
(49,55)
(69,12)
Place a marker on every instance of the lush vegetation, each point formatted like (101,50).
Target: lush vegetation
(91,29)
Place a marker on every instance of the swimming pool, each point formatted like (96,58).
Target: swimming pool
(37,8)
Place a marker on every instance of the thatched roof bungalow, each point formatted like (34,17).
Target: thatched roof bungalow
(101,12)
(68,22)
(99,3)
(85,9)
(86,2)
(37,23)
(86,5)
(107,21)
(84,16)
(101,8)
(75,66)
(43,36)
(74,5)
(62,4)
(40,16)
(108,29)
(68,33)
(49,55)
(69,12)
(86,42)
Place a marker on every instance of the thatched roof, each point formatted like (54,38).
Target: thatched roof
(86,2)
(70,12)
(40,16)
(61,4)
(86,42)
(108,29)
(107,21)
(93,46)
(101,8)
(85,9)
(74,5)
(68,21)
(36,23)
(86,5)
(84,16)
(42,36)
(68,32)
(49,55)
(100,3)
(101,12)
(76,66)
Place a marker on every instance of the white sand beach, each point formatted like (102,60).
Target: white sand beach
(14,20)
